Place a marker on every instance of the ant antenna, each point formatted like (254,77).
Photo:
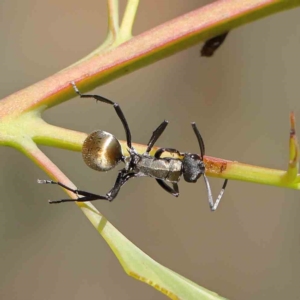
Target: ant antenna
(213,205)
(200,140)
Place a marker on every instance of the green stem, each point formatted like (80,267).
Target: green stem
(255,174)
(128,19)
(113,17)
(46,134)
(153,45)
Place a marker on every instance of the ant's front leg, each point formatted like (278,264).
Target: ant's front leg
(155,135)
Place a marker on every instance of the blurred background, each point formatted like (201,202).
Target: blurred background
(241,100)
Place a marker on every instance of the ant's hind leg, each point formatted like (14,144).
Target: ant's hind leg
(116,107)
(86,195)
(122,178)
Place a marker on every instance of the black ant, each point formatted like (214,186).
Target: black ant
(101,151)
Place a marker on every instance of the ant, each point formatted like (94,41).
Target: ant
(101,151)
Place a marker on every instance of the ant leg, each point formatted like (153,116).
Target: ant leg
(122,178)
(214,206)
(156,134)
(173,191)
(110,196)
(86,195)
(116,107)
(200,140)
(160,151)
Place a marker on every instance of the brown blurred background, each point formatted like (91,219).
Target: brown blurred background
(241,100)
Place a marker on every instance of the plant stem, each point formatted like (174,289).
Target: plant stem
(153,45)
(128,19)
(113,17)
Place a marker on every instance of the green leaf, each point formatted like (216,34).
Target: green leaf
(140,266)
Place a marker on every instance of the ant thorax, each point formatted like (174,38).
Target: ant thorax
(167,169)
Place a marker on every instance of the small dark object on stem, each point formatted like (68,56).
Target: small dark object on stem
(211,45)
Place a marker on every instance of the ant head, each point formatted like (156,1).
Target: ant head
(193,167)
(101,151)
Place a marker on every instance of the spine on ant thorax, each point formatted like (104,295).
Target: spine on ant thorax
(168,169)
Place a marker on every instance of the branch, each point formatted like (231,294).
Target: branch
(113,17)
(128,19)
(149,47)
(49,135)
(21,125)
